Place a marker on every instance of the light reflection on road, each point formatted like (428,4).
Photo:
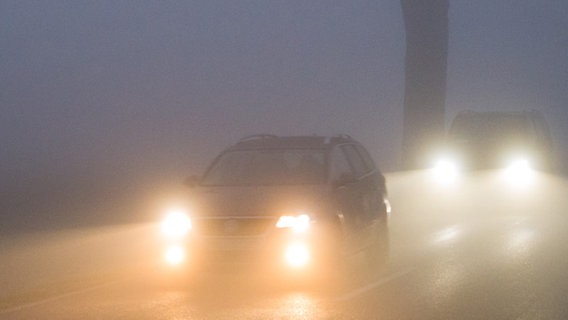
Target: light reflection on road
(446,277)
(447,235)
(477,239)
(297,306)
(520,242)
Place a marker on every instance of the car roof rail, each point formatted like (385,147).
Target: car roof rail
(258,137)
(344,136)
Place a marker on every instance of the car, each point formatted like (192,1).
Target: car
(514,142)
(290,205)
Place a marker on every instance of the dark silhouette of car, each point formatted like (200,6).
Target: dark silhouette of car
(516,142)
(292,205)
(490,139)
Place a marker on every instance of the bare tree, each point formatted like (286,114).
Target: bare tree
(426,25)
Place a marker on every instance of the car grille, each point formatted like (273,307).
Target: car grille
(233,227)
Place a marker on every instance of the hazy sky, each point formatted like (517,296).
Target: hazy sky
(109,89)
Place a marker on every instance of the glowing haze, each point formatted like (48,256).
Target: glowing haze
(101,97)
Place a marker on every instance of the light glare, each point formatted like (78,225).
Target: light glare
(446,171)
(176,224)
(297,255)
(519,172)
(298,224)
(175,255)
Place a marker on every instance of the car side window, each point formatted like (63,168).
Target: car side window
(339,165)
(354,158)
(369,163)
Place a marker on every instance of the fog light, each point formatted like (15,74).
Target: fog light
(176,224)
(519,172)
(175,255)
(446,171)
(297,255)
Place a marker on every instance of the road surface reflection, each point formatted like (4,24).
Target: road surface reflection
(476,249)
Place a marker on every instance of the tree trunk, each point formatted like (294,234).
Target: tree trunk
(426,26)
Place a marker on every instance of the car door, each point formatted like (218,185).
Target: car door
(368,195)
(352,195)
(345,195)
(375,187)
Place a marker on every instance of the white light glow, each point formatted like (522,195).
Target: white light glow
(519,172)
(176,224)
(446,171)
(447,235)
(298,224)
(175,255)
(297,255)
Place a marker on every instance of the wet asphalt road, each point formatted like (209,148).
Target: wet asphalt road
(477,249)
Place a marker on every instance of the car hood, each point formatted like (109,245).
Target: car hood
(257,201)
(481,154)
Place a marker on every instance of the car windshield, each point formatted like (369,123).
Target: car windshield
(268,167)
(489,130)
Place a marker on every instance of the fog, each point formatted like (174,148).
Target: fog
(102,101)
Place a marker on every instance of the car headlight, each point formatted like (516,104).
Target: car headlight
(175,255)
(298,224)
(519,171)
(446,170)
(297,255)
(176,224)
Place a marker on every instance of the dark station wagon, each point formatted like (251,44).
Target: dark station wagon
(294,205)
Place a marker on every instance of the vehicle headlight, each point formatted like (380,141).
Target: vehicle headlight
(446,170)
(297,255)
(175,255)
(519,171)
(298,224)
(176,224)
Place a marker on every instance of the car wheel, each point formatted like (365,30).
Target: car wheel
(377,252)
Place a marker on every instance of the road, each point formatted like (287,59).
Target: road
(475,249)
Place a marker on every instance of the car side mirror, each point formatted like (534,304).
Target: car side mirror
(192,181)
(344,179)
